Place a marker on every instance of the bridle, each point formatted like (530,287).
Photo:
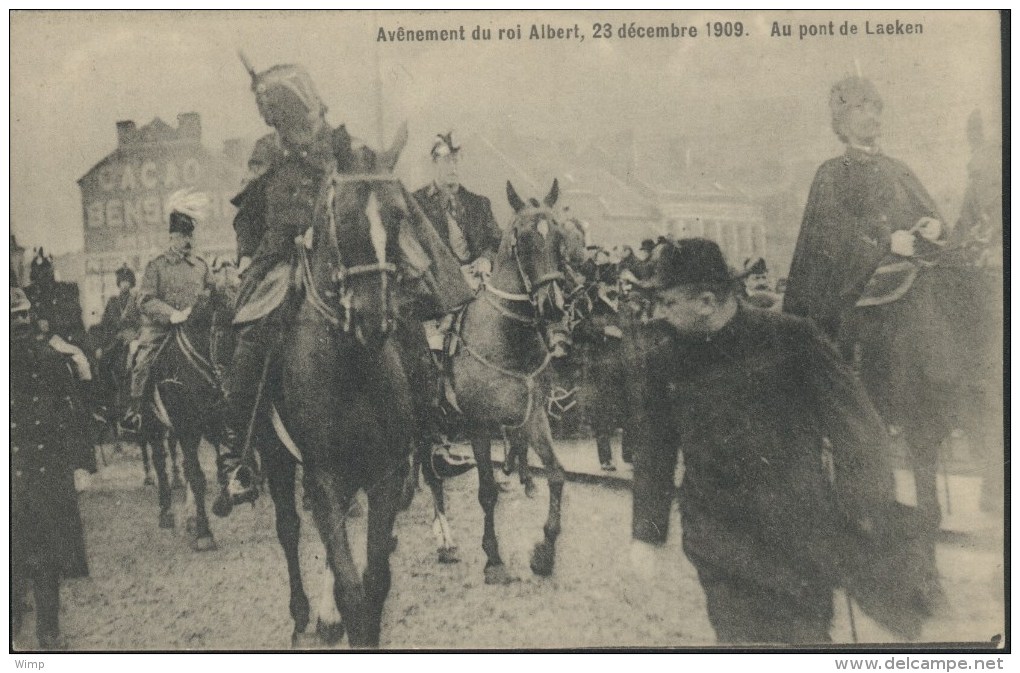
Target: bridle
(342,273)
(530,294)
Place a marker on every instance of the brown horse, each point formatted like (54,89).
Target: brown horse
(342,394)
(499,367)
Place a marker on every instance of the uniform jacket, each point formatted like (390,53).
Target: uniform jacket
(47,441)
(856,202)
(278,206)
(172,282)
(121,319)
(473,215)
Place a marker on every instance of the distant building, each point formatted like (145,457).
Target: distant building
(123,203)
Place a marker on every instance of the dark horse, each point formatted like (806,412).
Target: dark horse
(186,404)
(500,364)
(342,395)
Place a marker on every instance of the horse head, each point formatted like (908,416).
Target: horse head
(536,246)
(357,274)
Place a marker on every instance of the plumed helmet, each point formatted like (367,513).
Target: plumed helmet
(186,207)
(125,274)
(282,80)
(849,93)
(443,146)
(19,300)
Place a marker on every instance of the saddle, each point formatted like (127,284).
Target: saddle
(889,283)
(444,362)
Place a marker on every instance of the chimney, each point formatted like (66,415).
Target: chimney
(125,133)
(189,126)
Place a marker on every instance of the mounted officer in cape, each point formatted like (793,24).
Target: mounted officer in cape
(275,209)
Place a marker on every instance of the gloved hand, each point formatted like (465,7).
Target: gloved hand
(902,243)
(177,317)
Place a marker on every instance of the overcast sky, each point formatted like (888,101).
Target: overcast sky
(73,75)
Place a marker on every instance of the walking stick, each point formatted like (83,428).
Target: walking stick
(850,610)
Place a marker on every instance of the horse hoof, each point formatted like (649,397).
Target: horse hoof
(166,519)
(329,633)
(529,489)
(222,506)
(543,558)
(498,574)
(448,555)
(149,481)
(300,640)
(206,543)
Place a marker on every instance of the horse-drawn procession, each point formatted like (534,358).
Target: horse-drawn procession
(367,339)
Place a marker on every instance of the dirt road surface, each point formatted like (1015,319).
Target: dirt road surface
(149,591)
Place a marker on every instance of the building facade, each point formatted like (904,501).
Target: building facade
(124,203)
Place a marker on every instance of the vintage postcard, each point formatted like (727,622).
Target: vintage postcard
(507,330)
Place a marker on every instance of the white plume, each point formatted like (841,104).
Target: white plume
(188,202)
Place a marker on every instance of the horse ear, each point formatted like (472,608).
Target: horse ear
(553,195)
(388,159)
(515,201)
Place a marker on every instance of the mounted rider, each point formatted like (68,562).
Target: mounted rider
(463,219)
(277,205)
(172,284)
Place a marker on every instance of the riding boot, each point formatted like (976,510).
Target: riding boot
(236,470)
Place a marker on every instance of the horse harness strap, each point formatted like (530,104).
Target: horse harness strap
(195,359)
(527,379)
(502,309)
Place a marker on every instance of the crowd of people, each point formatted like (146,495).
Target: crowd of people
(768,390)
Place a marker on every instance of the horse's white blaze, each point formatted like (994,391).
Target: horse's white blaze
(376,230)
(328,612)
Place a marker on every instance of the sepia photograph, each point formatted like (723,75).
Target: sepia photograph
(506,331)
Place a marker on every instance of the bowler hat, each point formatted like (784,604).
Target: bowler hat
(688,261)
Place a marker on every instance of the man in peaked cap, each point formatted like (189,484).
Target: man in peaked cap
(172,284)
(121,318)
(463,219)
(758,402)
(275,206)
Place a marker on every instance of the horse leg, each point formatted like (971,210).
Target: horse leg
(420,455)
(447,548)
(544,555)
(173,443)
(154,440)
(280,471)
(330,503)
(197,517)
(518,443)
(488,494)
(383,504)
(146,463)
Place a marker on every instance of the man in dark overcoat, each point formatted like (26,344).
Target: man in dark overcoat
(786,492)
(48,440)
(463,219)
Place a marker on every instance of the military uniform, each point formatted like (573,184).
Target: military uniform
(172,282)
(47,441)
